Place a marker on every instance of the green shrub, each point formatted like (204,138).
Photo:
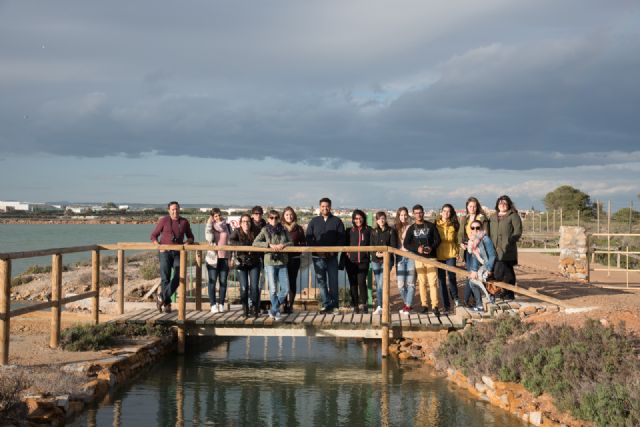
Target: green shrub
(96,337)
(150,269)
(21,280)
(37,269)
(592,371)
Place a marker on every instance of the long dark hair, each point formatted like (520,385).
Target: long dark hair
(511,206)
(252,228)
(398,224)
(453,217)
(362,214)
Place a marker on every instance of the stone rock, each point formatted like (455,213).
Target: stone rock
(481,388)
(528,310)
(404,355)
(604,322)
(553,309)
(535,418)
(488,381)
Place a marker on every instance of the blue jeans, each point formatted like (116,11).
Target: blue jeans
(278,280)
(453,286)
(327,268)
(406,277)
(378,270)
(249,285)
(218,272)
(169,260)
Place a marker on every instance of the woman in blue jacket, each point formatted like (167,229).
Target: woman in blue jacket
(482,256)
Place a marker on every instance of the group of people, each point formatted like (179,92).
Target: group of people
(486,244)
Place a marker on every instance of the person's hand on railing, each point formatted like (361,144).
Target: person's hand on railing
(277,247)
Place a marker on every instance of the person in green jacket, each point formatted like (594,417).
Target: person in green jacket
(275,237)
(505,229)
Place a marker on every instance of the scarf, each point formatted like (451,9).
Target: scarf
(221,232)
(274,230)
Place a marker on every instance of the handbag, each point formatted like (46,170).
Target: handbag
(211,258)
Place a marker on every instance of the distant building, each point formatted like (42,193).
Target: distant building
(26,207)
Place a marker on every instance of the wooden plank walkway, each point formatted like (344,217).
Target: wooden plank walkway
(300,323)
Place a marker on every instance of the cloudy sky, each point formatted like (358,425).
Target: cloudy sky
(375,104)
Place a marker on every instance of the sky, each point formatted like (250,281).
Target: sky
(371,103)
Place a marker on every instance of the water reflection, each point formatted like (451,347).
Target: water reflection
(290,382)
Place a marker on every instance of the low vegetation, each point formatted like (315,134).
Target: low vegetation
(104,335)
(150,269)
(593,372)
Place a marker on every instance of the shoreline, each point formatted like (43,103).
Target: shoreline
(79,221)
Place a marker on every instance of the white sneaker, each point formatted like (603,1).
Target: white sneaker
(378,310)
(214,308)
(277,317)
(221,308)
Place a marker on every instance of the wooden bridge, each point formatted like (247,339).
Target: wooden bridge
(232,323)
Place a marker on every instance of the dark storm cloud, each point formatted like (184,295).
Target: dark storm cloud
(493,85)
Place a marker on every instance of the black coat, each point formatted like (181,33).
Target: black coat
(358,237)
(388,237)
(425,235)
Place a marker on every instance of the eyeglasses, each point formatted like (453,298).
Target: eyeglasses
(476,228)
(274,217)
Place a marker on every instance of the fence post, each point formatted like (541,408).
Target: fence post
(385,303)
(5,309)
(609,239)
(121,281)
(95,284)
(592,258)
(56,296)
(182,301)
(198,280)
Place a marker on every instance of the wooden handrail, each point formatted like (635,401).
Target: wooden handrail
(464,273)
(5,281)
(46,252)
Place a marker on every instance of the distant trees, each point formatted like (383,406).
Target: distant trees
(110,205)
(570,200)
(624,214)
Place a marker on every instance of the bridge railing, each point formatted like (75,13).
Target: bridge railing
(56,301)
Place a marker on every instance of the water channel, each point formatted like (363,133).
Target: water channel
(287,381)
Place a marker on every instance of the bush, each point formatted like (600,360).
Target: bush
(591,371)
(37,269)
(150,269)
(21,280)
(97,337)
(12,383)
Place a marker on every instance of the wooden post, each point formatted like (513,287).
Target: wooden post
(198,280)
(385,303)
(628,265)
(95,285)
(5,309)
(578,217)
(609,239)
(121,281)
(560,217)
(630,212)
(588,264)
(554,221)
(547,215)
(56,296)
(182,302)
(598,215)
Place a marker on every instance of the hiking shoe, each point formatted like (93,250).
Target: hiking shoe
(378,310)
(167,308)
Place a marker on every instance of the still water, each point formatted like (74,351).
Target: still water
(290,382)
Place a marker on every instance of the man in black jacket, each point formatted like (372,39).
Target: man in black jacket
(422,238)
(326,230)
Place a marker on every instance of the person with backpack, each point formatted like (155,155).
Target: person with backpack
(217,233)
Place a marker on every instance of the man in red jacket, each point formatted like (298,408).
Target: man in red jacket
(171,230)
